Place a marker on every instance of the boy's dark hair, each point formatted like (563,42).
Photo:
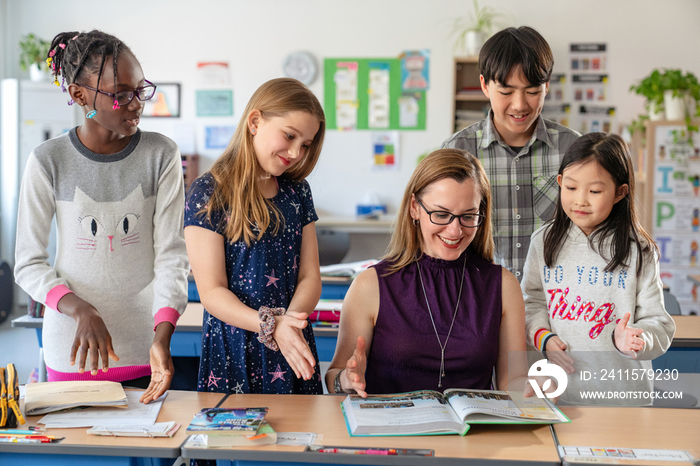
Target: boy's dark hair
(513,47)
(613,155)
(74,52)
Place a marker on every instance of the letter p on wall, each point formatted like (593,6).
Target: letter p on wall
(664,211)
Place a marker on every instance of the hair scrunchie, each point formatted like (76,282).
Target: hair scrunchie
(267,325)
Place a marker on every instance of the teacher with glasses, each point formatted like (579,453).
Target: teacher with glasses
(436,312)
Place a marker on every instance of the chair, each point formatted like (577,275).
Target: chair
(332,246)
(671,303)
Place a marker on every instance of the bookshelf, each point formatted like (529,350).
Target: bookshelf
(470,103)
(190,169)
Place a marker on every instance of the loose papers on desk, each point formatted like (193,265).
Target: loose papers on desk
(135,414)
(42,398)
(159,429)
(349,269)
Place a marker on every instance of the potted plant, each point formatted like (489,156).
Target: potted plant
(670,94)
(33,53)
(471,32)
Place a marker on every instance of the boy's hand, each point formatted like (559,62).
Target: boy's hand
(556,352)
(627,338)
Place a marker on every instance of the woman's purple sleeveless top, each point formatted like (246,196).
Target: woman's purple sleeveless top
(405,354)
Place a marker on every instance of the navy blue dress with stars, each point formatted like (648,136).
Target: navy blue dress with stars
(262,274)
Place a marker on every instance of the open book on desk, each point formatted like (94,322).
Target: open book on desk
(429,412)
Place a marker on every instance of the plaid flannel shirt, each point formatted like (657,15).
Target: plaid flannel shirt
(524,186)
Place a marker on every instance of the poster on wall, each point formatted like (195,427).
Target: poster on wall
(218,137)
(415,70)
(366,93)
(676,211)
(385,151)
(588,65)
(214,102)
(165,102)
(213,74)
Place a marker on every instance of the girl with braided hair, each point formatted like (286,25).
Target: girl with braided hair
(119,282)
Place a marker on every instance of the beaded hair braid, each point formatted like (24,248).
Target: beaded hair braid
(71,53)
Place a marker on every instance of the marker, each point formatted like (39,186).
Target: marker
(24,440)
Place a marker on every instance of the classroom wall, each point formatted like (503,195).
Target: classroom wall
(170,37)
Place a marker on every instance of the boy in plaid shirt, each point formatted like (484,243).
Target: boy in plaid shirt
(519,149)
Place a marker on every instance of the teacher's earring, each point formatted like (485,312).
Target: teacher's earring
(416,222)
(252,131)
(91,114)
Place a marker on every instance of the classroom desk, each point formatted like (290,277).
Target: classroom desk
(695,279)
(384,224)
(500,445)
(79,448)
(687,332)
(649,428)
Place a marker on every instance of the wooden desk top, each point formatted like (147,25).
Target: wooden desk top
(687,331)
(695,279)
(179,406)
(322,414)
(191,319)
(652,428)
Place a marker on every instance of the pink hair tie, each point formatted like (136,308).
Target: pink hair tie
(52,53)
(63,46)
(76,36)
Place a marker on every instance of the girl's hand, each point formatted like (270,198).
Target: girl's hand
(627,338)
(162,369)
(355,369)
(542,382)
(556,352)
(290,339)
(91,334)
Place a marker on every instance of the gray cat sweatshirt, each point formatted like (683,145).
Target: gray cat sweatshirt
(120,244)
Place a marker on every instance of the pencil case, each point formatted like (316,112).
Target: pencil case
(10,414)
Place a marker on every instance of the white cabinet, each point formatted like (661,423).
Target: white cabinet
(32,112)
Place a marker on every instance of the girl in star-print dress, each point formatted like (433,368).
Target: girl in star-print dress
(250,234)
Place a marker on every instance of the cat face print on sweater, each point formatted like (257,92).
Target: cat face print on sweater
(109,226)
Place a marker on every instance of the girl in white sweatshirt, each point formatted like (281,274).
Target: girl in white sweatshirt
(593,297)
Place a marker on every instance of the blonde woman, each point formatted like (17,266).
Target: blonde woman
(436,313)
(249,229)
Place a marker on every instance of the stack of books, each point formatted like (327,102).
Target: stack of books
(230,427)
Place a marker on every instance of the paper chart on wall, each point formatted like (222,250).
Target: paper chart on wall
(346,102)
(366,93)
(385,151)
(676,212)
(378,95)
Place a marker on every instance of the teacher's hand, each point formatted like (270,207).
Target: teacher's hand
(355,369)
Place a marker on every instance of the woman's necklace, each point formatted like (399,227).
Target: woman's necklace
(459,297)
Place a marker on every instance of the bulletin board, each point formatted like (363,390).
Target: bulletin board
(673,167)
(351,104)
